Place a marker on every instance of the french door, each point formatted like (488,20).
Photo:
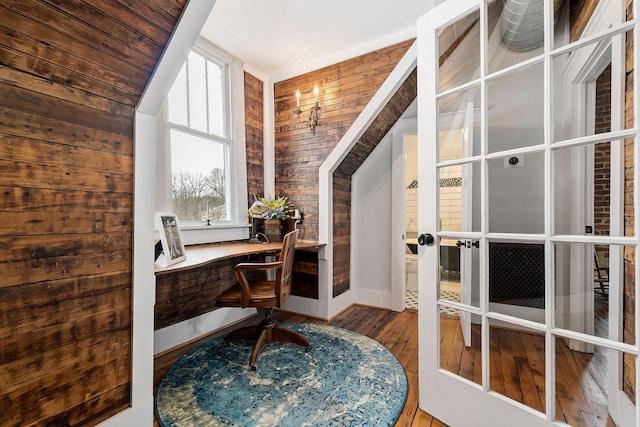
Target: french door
(527,127)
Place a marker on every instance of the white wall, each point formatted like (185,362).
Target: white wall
(371,228)
(411,174)
(516,193)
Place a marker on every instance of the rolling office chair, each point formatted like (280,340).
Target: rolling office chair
(265,295)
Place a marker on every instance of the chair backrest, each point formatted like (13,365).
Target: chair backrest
(601,260)
(283,282)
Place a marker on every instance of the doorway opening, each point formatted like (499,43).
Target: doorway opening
(411,220)
(552,187)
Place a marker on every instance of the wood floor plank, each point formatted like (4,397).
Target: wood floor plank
(536,362)
(399,333)
(531,395)
(411,406)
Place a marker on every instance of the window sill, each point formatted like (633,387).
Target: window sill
(194,234)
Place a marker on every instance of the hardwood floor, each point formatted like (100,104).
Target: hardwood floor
(517,368)
(517,363)
(396,331)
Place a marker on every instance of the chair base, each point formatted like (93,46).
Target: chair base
(265,333)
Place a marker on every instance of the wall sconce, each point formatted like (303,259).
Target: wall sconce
(313,112)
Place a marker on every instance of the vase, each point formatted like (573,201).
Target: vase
(273,229)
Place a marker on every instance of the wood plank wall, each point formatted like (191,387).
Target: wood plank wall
(71,74)
(184,295)
(254,124)
(345,89)
(580,12)
(341,232)
(380,126)
(629,300)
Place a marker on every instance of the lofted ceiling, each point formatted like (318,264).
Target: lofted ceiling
(282,38)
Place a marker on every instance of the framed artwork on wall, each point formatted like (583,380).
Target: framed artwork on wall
(172,245)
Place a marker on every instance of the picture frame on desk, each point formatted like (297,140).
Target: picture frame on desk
(169,228)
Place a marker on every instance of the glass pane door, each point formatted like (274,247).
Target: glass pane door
(527,133)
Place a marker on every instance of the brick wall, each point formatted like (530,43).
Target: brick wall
(602,155)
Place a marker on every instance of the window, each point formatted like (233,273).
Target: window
(203,172)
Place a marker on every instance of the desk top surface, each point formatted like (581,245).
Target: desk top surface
(198,255)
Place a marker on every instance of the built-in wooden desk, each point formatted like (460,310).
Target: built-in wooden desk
(189,288)
(199,255)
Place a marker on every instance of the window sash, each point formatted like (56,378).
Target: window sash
(234,170)
(191,106)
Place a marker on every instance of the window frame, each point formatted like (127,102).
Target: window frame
(236,226)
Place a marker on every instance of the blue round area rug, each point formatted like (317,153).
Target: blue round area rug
(346,379)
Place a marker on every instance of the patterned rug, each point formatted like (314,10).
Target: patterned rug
(346,379)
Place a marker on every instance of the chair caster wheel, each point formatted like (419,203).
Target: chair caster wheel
(307,349)
(254,368)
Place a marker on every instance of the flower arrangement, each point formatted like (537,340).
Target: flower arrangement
(268,208)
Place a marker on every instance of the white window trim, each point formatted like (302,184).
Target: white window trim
(237,227)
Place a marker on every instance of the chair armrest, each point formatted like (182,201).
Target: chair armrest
(242,279)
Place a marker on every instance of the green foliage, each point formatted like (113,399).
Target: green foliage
(197,197)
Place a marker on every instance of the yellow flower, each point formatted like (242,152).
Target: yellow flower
(268,208)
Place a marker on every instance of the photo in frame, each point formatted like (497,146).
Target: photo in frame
(169,228)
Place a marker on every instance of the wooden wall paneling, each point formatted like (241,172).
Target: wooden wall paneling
(172,9)
(580,13)
(379,127)
(13,77)
(305,274)
(24,100)
(95,409)
(254,124)
(114,40)
(183,295)
(70,78)
(187,294)
(66,76)
(150,18)
(66,298)
(629,297)
(345,89)
(341,232)
(121,32)
(451,36)
(62,142)
(70,52)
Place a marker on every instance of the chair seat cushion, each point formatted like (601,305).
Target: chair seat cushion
(263,294)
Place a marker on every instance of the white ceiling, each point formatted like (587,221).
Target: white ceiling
(284,38)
